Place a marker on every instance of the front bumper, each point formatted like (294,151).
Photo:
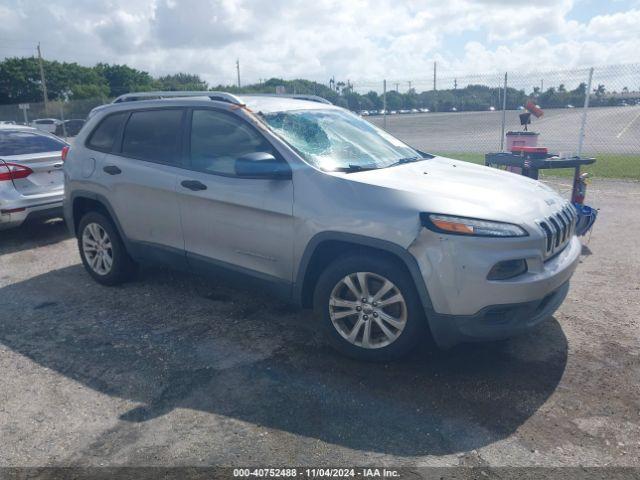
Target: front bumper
(466,306)
(16,209)
(495,322)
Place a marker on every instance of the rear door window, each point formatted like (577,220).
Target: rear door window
(20,143)
(154,135)
(105,134)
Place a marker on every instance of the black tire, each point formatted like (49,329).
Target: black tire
(123,267)
(415,329)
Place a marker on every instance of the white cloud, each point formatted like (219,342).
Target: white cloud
(316,39)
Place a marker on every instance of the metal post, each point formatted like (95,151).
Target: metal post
(504,112)
(26,118)
(384,104)
(64,127)
(584,112)
(434,76)
(44,82)
(238,71)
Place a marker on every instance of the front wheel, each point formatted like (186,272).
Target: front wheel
(369,308)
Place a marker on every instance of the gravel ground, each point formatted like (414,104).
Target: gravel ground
(173,369)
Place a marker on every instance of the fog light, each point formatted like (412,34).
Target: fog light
(507,269)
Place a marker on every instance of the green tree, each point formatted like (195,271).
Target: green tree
(20,81)
(181,81)
(123,79)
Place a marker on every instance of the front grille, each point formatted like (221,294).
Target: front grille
(558,229)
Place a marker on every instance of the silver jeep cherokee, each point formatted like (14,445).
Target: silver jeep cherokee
(386,243)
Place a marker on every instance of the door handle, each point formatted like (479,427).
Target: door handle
(193,185)
(112,170)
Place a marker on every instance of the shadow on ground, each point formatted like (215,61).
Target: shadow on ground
(170,340)
(32,234)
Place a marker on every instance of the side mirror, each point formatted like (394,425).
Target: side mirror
(262,165)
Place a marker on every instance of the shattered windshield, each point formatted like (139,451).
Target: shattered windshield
(337,140)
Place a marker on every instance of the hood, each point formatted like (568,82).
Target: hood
(444,185)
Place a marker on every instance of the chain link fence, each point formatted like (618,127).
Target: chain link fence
(466,116)
(466,112)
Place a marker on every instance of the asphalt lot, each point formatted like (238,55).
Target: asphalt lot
(608,130)
(173,369)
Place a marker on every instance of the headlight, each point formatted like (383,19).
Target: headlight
(470,226)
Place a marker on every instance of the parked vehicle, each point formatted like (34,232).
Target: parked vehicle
(424,110)
(31,178)
(70,127)
(46,124)
(384,242)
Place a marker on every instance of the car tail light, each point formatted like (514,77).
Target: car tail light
(65,151)
(13,171)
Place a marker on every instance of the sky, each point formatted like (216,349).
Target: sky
(363,41)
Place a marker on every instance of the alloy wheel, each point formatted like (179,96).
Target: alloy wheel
(97,248)
(368,310)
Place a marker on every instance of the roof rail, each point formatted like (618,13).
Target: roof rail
(301,96)
(220,96)
(312,98)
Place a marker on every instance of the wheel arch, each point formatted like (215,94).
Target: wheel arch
(83,202)
(325,247)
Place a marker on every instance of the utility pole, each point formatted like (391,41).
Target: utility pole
(434,76)
(397,87)
(409,86)
(238,70)
(44,83)
(541,85)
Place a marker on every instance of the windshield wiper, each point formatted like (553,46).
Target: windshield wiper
(402,161)
(355,168)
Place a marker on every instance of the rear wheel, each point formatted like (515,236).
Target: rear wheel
(369,308)
(102,251)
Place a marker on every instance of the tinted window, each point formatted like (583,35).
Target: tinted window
(19,143)
(105,134)
(153,135)
(218,139)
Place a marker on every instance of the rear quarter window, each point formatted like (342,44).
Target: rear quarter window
(105,134)
(20,143)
